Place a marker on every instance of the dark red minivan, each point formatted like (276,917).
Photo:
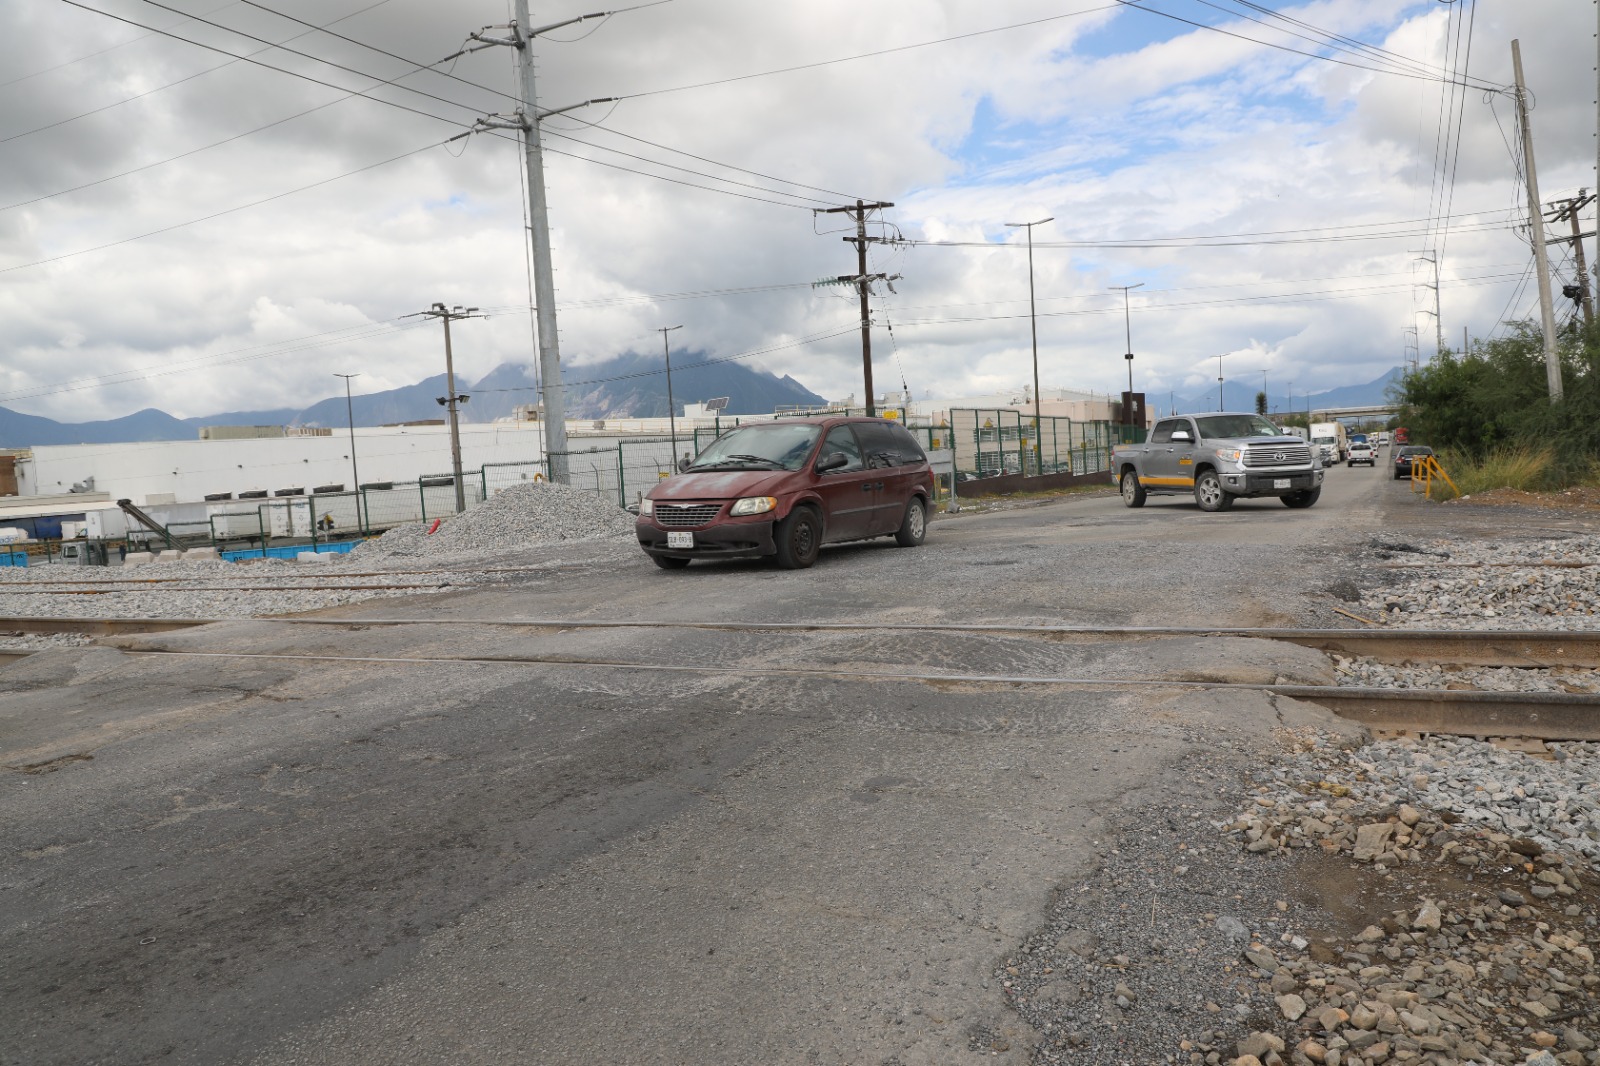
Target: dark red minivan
(787,488)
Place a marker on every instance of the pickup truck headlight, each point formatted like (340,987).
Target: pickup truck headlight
(1235,456)
(753,505)
(647,506)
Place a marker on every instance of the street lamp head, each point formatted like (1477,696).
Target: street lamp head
(1042,221)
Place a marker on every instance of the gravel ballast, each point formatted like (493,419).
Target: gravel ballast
(1412,901)
(1532,584)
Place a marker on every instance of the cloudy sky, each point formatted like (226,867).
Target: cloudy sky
(187,230)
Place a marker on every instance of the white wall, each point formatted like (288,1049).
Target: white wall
(193,469)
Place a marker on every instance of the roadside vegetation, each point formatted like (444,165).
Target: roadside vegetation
(1487,412)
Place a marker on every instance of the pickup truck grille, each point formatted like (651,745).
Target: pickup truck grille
(674,516)
(1278,455)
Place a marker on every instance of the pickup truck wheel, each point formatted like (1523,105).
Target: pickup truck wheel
(914,526)
(1133,494)
(799,539)
(1303,498)
(1209,494)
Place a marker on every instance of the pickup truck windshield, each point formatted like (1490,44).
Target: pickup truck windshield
(1227,427)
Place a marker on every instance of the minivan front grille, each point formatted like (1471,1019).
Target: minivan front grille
(1278,455)
(685,516)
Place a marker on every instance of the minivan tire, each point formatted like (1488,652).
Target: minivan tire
(799,538)
(914,526)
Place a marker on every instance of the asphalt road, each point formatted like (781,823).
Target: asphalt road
(219,858)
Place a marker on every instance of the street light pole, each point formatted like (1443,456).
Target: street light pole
(1033,323)
(1219,383)
(355,475)
(672,413)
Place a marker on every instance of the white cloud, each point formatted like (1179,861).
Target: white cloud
(1191,133)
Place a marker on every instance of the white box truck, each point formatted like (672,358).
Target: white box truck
(1332,440)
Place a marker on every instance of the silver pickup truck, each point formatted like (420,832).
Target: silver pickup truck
(1219,458)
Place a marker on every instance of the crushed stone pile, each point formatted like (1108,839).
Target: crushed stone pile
(1431,902)
(511,519)
(1493,958)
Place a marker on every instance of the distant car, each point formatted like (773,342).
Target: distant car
(1362,452)
(786,488)
(1407,454)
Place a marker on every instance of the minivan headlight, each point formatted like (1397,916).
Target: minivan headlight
(753,505)
(647,506)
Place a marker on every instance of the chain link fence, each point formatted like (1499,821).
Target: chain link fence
(994,441)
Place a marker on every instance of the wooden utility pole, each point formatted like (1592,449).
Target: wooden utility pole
(863,282)
(1568,210)
(1541,258)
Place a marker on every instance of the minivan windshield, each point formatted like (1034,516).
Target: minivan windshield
(770,446)
(1225,427)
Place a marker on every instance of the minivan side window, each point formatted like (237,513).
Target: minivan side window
(879,445)
(910,448)
(840,439)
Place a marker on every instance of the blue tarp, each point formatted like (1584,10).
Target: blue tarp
(293,551)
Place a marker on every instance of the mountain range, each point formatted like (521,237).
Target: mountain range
(1241,396)
(627,386)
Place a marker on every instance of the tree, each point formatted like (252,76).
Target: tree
(1261,403)
(1496,396)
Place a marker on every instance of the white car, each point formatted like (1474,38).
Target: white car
(1362,452)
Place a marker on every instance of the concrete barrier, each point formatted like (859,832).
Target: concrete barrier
(170,555)
(196,555)
(138,559)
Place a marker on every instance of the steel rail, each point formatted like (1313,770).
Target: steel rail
(1546,715)
(222,588)
(1465,647)
(1515,648)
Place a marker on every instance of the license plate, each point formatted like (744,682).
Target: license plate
(686,540)
(1281,483)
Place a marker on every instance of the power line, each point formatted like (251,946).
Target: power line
(231,210)
(171,84)
(112,48)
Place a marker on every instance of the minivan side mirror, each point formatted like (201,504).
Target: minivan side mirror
(832,461)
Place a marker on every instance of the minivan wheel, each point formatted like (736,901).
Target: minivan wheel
(669,562)
(799,539)
(1209,494)
(914,527)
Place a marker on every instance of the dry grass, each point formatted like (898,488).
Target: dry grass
(1519,467)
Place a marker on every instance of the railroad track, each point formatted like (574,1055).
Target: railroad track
(1541,715)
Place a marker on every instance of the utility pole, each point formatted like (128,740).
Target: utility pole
(452,401)
(672,410)
(355,475)
(1127,337)
(1541,258)
(862,280)
(1219,383)
(1438,319)
(526,120)
(1033,326)
(1568,210)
